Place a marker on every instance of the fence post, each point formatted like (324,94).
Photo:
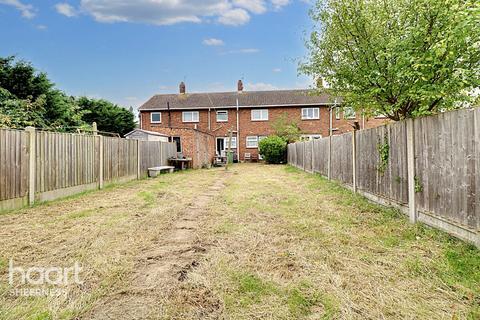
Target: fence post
(100,162)
(303,155)
(354,160)
(313,155)
(31,164)
(412,207)
(329,169)
(138,160)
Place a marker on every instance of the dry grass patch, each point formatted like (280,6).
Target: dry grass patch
(293,245)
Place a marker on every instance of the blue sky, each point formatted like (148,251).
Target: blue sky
(126,51)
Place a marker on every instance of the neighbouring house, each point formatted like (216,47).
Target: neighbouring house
(145,135)
(206,119)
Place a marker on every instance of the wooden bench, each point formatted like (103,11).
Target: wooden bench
(155,171)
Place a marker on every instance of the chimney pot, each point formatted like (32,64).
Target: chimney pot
(182,87)
(240,86)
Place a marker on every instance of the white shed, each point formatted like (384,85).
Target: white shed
(140,134)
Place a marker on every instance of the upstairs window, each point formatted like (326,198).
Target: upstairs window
(337,113)
(190,116)
(155,117)
(310,113)
(222,116)
(349,113)
(259,114)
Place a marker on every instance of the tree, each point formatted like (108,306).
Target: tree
(400,58)
(108,116)
(286,129)
(29,98)
(273,149)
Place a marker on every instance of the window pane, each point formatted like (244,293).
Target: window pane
(156,117)
(195,116)
(222,116)
(252,142)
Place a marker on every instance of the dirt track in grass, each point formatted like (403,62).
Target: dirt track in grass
(257,242)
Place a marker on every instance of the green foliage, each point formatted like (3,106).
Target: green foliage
(418,185)
(29,98)
(108,116)
(384,154)
(400,58)
(286,128)
(273,149)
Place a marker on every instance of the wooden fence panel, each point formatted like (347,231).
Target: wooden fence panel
(155,153)
(320,156)
(64,160)
(120,158)
(308,156)
(446,166)
(387,178)
(13,164)
(300,146)
(342,162)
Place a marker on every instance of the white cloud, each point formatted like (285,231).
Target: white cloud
(260,86)
(167,12)
(242,51)
(254,6)
(41,27)
(234,17)
(278,4)
(213,42)
(27,10)
(66,9)
(277,70)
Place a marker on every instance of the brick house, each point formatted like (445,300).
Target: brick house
(248,114)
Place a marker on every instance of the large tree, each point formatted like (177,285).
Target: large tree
(29,98)
(108,116)
(400,58)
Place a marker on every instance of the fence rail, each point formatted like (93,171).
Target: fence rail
(39,166)
(442,171)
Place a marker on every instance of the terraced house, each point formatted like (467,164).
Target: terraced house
(202,121)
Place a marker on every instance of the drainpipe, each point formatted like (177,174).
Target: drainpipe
(238,134)
(209,121)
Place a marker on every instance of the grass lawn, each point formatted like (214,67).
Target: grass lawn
(256,242)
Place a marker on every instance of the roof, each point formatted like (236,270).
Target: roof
(274,98)
(153,133)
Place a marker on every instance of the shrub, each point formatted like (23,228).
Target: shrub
(273,149)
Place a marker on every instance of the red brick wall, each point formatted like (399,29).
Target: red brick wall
(249,127)
(199,146)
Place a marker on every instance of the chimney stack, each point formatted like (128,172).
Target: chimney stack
(182,88)
(240,86)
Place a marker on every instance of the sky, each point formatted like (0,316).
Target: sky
(126,51)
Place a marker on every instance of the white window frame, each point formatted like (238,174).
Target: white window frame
(151,117)
(234,142)
(222,111)
(310,137)
(253,139)
(262,112)
(192,113)
(345,113)
(313,110)
(256,141)
(338,113)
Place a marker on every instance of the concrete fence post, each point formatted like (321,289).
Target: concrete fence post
(313,156)
(354,160)
(139,162)
(303,155)
(31,164)
(100,162)
(329,162)
(412,206)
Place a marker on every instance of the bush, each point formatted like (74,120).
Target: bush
(273,149)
